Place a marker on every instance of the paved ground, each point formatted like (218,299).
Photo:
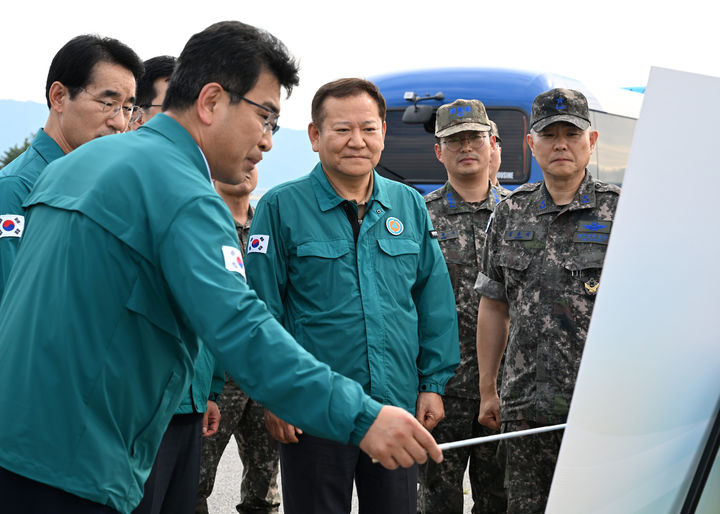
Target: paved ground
(226,493)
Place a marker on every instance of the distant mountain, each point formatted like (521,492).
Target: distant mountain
(19,120)
(290,157)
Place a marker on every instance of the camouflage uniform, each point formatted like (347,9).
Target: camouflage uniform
(502,192)
(461,233)
(243,418)
(545,261)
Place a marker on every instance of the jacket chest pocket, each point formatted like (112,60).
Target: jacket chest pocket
(323,249)
(514,263)
(585,269)
(400,257)
(319,263)
(458,246)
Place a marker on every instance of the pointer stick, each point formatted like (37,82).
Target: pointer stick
(498,437)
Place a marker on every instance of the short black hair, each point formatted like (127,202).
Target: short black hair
(155,68)
(343,88)
(232,54)
(73,63)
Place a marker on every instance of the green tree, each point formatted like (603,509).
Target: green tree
(14,151)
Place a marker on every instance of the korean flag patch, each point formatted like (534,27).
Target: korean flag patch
(234,260)
(11,225)
(258,243)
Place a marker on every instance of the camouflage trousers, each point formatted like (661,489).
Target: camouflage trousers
(244,419)
(530,466)
(441,485)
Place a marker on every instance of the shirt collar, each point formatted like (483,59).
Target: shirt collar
(455,204)
(584,197)
(247,223)
(207,166)
(328,198)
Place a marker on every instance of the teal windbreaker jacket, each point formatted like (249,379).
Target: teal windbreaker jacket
(127,259)
(380,311)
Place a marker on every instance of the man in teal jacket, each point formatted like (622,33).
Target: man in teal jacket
(173,481)
(350,263)
(130,257)
(90,91)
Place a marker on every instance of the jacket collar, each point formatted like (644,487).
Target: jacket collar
(175,132)
(328,198)
(584,197)
(454,204)
(46,147)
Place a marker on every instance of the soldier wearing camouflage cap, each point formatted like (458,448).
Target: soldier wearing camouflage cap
(541,270)
(558,105)
(460,211)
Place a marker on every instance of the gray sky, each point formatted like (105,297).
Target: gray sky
(608,42)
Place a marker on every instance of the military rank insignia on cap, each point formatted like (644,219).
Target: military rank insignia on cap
(460,116)
(560,104)
(11,225)
(258,243)
(233,260)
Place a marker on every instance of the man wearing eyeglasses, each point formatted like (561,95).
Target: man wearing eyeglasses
(347,260)
(173,481)
(542,262)
(90,91)
(460,211)
(151,89)
(129,261)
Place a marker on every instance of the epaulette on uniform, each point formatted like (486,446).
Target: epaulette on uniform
(433,195)
(604,187)
(524,189)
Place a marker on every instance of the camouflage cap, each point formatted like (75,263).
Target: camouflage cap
(560,105)
(459,116)
(494,131)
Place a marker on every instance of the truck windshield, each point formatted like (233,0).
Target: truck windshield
(409,148)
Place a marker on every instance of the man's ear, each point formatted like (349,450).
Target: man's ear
(314,135)
(531,143)
(210,100)
(58,95)
(593,140)
(438,152)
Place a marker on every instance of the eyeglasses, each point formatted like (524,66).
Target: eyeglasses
(111,108)
(270,122)
(141,110)
(476,141)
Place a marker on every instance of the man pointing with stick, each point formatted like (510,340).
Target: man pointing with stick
(129,258)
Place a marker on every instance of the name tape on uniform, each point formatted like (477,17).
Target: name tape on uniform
(11,225)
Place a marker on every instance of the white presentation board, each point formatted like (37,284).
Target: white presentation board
(649,382)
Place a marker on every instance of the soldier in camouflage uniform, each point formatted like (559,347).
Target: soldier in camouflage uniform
(241,416)
(541,267)
(495,161)
(460,212)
